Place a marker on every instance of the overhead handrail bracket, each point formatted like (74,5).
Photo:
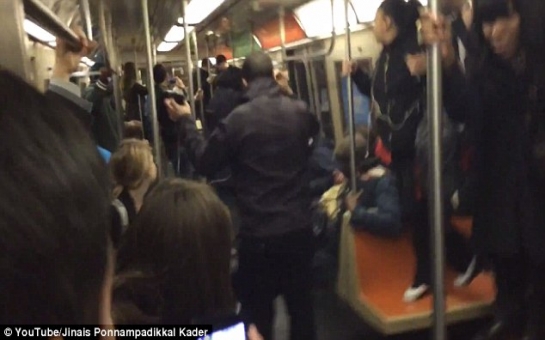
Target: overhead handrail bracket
(43,16)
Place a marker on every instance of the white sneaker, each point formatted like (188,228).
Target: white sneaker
(463,280)
(414,293)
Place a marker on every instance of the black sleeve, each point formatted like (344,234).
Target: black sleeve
(362,81)
(141,90)
(460,96)
(207,156)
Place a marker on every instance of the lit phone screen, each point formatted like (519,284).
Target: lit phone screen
(235,332)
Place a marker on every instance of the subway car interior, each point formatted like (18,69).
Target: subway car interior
(309,42)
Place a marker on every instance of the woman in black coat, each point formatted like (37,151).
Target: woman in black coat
(504,101)
(397,110)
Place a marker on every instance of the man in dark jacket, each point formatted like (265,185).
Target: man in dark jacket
(267,143)
(227,96)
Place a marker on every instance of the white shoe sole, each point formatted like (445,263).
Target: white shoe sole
(412,294)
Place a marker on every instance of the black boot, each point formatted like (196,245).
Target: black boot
(535,329)
(511,283)
(505,329)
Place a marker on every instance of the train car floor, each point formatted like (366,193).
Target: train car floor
(335,320)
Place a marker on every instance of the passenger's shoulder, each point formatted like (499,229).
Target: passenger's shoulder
(299,105)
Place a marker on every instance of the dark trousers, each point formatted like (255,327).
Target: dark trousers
(458,250)
(520,297)
(227,196)
(277,266)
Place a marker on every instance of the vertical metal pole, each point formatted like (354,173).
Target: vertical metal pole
(351,122)
(199,80)
(118,103)
(187,39)
(297,80)
(316,91)
(103,29)
(310,92)
(282,27)
(434,111)
(87,16)
(14,53)
(151,91)
(209,68)
(154,54)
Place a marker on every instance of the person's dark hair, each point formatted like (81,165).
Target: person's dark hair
(220,59)
(532,32)
(54,212)
(404,15)
(257,65)
(205,62)
(159,73)
(532,27)
(129,76)
(231,79)
(95,68)
(174,262)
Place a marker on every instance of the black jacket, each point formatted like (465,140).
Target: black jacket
(509,215)
(266,143)
(227,96)
(134,98)
(398,95)
(106,120)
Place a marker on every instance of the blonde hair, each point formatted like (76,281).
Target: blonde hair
(129,165)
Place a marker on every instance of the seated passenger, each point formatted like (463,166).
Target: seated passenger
(133,171)
(376,207)
(322,167)
(174,263)
(54,213)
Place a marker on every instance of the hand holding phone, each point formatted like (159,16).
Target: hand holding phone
(226,328)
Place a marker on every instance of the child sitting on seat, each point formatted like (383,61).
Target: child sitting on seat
(375,208)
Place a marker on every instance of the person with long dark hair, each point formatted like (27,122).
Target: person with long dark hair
(504,100)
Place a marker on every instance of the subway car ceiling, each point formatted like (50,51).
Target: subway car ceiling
(234,28)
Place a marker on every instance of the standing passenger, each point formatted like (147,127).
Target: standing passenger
(507,76)
(106,120)
(135,94)
(267,143)
(397,97)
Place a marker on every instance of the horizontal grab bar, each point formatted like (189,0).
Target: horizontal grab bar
(43,16)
